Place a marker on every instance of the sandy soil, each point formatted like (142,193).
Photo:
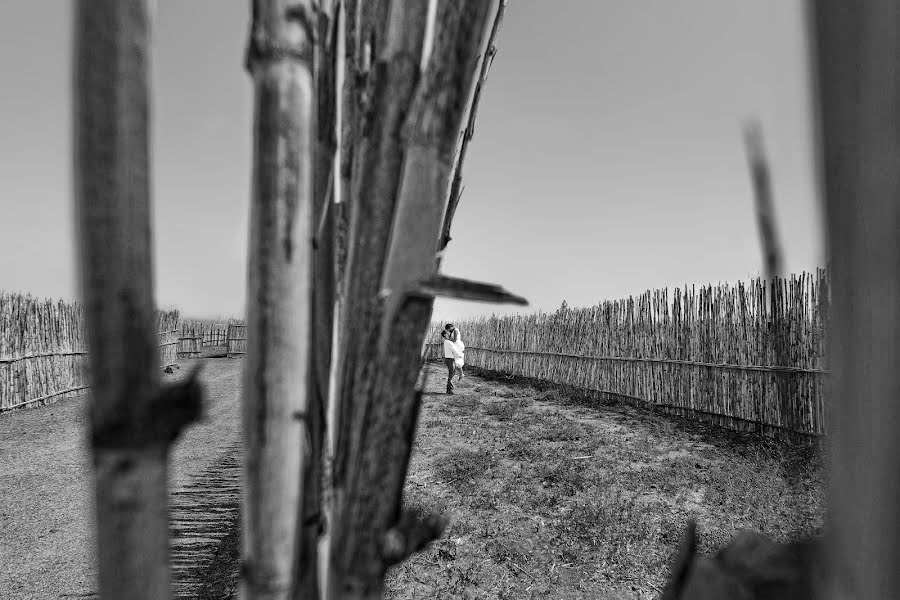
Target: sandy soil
(46,508)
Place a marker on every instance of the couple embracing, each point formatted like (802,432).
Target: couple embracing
(454,351)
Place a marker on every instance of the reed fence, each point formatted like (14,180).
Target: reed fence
(749,356)
(189,340)
(236,340)
(43,349)
(197,334)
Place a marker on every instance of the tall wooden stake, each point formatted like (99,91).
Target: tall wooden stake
(396,232)
(762,192)
(276,375)
(133,421)
(857,47)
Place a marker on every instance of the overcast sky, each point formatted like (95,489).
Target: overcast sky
(607,159)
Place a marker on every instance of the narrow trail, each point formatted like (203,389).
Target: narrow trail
(202,513)
(46,493)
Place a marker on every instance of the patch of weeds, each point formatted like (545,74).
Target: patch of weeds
(563,475)
(503,410)
(444,549)
(537,500)
(551,397)
(465,402)
(761,497)
(513,393)
(501,551)
(483,500)
(458,581)
(460,466)
(523,449)
(621,533)
(557,428)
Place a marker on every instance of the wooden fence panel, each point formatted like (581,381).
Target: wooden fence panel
(189,340)
(236,342)
(198,334)
(167,333)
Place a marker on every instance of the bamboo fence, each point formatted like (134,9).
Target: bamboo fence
(43,349)
(708,353)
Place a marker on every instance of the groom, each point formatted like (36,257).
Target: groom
(451,353)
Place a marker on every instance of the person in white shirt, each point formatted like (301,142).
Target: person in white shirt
(456,338)
(451,354)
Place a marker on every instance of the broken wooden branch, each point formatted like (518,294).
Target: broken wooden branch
(762,193)
(465,289)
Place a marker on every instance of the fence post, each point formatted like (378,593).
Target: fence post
(276,390)
(132,421)
(857,55)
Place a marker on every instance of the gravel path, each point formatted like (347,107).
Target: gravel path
(46,512)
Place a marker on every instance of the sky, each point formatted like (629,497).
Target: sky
(608,156)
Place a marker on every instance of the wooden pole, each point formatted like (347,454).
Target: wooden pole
(280,271)
(312,518)
(857,52)
(765,211)
(372,531)
(133,421)
(772,260)
(393,32)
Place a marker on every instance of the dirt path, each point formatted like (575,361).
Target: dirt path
(547,498)
(46,506)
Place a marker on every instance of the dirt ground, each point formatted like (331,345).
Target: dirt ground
(547,498)
(551,499)
(46,506)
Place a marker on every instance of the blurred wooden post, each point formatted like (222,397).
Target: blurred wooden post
(321,332)
(765,211)
(857,53)
(133,421)
(772,261)
(276,382)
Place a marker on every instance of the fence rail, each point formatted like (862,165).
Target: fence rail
(43,349)
(749,356)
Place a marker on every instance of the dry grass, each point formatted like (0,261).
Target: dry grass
(551,499)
